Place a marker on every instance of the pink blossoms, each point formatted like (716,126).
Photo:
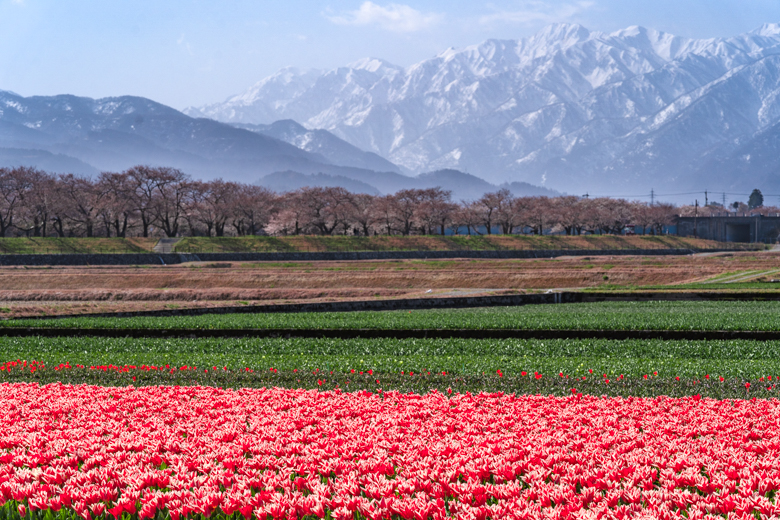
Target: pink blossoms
(114,452)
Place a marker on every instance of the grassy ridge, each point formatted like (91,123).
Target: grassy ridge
(41,245)
(660,315)
(32,246)
(440,243)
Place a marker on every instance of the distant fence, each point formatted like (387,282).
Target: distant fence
(179,258)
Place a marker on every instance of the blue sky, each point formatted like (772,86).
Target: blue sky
(191,52)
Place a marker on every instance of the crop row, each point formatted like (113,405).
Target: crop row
(533,383)
(468,364)
(735,357)
(662,315)
(86,452)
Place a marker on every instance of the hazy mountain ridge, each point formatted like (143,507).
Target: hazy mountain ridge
(69,134)
(324,143)
(567,108)
(115,133)
(463,186)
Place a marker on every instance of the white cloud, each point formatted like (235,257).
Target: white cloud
(183,43)
(393,17)
(535,11)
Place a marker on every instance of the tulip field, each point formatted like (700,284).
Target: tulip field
(134,428)
(200,452)
(649,315)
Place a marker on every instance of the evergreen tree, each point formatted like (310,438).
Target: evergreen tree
(756,199)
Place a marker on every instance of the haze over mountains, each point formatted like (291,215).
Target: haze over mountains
(69,134)
(566,109)
(569,109)
(113,133)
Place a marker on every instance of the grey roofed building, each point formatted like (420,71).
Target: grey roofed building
(732,227)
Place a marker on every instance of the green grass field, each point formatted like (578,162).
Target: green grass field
(30,246)
(439,243)
(656,315)
(469,365)
(41,245)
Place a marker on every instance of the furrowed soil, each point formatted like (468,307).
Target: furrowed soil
(73,290)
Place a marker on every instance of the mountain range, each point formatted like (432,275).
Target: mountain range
(84,135)
(69,134)
(568,108)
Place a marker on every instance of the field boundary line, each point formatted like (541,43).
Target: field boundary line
(574,334)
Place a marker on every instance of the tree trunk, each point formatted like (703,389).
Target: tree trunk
(4,227)
(145,223)
(58,227)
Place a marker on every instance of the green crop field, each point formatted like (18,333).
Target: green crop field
(467,365)
(659,315)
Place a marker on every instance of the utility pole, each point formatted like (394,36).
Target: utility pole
(586,195)
(652,196)
(724,200)
(706,200)
(695,215)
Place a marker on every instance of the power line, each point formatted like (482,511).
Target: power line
(654,195)
(646,195)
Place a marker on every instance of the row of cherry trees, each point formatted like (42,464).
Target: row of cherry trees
(157,201)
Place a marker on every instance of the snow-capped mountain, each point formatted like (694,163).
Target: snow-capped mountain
(83,135)
(69,134)
(566,108)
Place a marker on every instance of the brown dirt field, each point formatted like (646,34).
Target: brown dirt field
(68,290)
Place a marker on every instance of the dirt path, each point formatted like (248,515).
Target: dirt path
(165,245)
(753,276)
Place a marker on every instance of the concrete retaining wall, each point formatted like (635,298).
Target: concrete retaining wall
(178,258)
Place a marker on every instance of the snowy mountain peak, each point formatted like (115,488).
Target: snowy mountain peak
(568,33)
(566,107)
(374,65)
(767,29)
(288,75)
(447,54)
(664,45)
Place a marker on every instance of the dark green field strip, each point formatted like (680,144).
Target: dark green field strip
(462,356)
(469,365)
(418,383)
(667,335)
(713,316)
